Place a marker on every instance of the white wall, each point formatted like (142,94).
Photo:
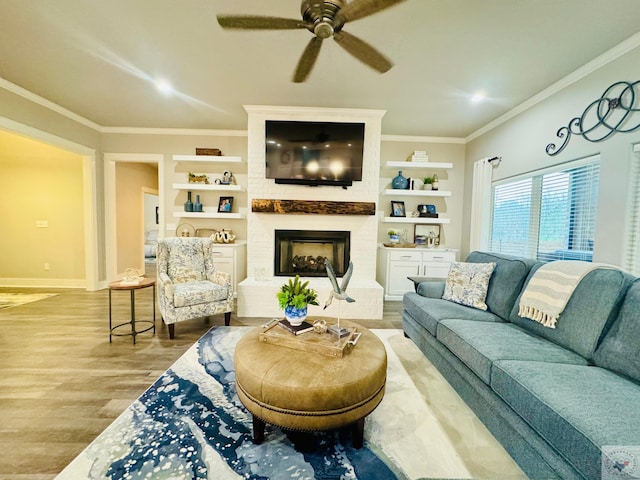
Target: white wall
(521,143)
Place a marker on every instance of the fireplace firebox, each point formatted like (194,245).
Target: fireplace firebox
(303,252)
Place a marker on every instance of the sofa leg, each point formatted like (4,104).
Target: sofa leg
(172,330)
(227,318)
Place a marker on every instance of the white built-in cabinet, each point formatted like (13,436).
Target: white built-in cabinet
(232,258)
(395,265)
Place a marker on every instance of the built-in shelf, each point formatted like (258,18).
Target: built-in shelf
(433,165)
(227,216)
(206,158)
(206,186)
(417,193)
(429,220)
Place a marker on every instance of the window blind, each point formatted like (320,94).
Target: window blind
(548,215)
(632,243)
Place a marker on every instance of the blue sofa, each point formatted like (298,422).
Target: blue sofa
(554,398)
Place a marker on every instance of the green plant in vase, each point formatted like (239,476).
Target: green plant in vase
(428,183)
(293,298)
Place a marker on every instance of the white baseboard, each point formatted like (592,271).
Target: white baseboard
(43,282)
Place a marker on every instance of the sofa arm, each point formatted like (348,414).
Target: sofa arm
(431,289)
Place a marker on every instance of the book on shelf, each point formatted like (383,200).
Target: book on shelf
(419,158)
(304,327)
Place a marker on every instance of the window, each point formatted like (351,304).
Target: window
(632,244)
(548,215)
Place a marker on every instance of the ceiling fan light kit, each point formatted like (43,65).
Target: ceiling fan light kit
(324,19)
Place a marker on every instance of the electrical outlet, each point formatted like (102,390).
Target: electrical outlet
(46,266)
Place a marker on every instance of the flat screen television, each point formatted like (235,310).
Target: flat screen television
(314,153)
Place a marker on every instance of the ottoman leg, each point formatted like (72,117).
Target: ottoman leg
(258,430)
(357,433)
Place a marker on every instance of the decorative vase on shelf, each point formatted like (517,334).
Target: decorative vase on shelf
(435,185)
(188,205)
(197,206)
(295,315)
(399,182)
(394,238)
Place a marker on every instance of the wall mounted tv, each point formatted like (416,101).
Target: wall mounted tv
(314,153)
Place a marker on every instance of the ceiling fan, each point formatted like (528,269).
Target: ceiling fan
(323,18)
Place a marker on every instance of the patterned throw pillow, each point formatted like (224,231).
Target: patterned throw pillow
(467,284)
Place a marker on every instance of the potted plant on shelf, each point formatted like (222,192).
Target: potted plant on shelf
(394,237)
(293,298)
(428,183)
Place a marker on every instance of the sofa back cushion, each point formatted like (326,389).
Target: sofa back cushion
(594,304)
(506,281)
(620,348)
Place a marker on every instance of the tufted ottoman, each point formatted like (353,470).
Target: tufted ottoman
(308,391)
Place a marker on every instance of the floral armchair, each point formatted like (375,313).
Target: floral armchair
(189,286)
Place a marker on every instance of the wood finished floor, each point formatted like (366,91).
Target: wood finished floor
(62,383)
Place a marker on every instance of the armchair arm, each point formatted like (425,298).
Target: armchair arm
(221,278)
(165,288)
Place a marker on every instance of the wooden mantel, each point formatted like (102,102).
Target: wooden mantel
(318,207)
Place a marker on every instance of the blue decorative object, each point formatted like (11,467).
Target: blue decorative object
(188,205)
(295,315)
(197,206)
(399,182)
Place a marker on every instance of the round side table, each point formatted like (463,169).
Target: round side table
(144,283)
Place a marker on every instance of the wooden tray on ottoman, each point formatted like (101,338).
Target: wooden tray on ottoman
(323,343)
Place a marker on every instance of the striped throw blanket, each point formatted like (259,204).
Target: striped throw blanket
(551,287)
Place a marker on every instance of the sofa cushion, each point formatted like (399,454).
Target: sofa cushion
(479,344)
(467,283)
(593,306)
(620,349)
(577,409)
(429,311)
(506,281)
(195,293)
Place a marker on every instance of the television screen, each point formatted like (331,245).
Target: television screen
(314,153)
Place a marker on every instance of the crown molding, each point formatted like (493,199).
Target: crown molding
(13,88)
(175,131)
(577,75)
(422,139)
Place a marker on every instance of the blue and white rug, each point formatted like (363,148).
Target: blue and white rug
(190,425)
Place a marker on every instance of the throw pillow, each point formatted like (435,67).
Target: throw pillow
(467,284)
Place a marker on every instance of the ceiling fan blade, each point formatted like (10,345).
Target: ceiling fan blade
(362,51)
(357,9)
(251,22)
(307,60)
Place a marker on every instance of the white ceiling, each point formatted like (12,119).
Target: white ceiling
(98,59)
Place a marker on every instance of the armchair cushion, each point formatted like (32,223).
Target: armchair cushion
(197,292)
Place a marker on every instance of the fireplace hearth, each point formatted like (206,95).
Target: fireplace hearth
(303,252)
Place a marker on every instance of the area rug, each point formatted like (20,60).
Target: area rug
(190,425)
(8,300)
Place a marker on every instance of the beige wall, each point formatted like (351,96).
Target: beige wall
(40,183)
(522,140)
(131,180)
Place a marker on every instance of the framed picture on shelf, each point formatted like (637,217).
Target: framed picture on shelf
(397,209)
(427,234)
(225,205)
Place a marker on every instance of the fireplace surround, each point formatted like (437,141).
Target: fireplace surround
(303,252)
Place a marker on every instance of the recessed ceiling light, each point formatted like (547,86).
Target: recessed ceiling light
(164,86)
(478,97)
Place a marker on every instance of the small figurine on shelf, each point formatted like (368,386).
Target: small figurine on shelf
(435,184)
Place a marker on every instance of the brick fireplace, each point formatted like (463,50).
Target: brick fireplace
(256,294)
(304,252)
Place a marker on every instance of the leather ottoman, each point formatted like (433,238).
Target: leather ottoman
(308,391)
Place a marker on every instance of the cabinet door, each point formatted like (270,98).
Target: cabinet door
(436,264)
(397,281)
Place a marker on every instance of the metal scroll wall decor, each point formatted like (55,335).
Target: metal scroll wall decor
(609,114)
